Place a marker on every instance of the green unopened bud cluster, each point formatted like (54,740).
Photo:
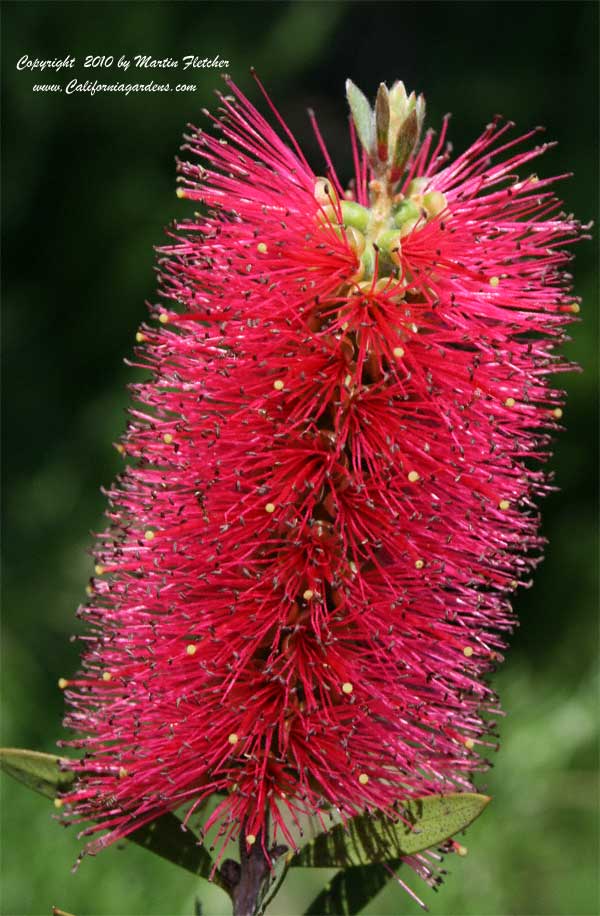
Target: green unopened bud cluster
(389,134)
(368,230)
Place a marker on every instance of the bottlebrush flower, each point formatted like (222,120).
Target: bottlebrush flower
(309,562)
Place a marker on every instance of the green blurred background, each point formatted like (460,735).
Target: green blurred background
(88,184)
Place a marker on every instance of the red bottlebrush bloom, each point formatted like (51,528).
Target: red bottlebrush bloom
(308,568)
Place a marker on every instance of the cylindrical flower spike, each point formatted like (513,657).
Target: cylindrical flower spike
(307,569)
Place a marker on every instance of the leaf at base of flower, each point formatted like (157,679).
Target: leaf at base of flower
(46,774)
(426,822)
(350,890)
(38,771)
(164,837)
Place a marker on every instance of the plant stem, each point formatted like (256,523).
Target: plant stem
(254,870)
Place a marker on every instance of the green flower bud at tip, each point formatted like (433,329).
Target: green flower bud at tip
(408,210)
(356,240)
(354,214)
(434,202)
(388,243)
(325,192)
(408,227)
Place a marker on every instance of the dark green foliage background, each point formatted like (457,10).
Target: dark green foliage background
(88,184)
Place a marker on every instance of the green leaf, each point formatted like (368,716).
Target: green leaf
(362,115)
(382,121)
(405,144)
(350,890)
(40,772)
(427,822)
(163,836)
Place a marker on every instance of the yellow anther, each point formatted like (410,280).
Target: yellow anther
(167,438)
(353,567)
(180,192)
(363,779)
(120,448)
(163,318)
(58,802)
(347,687)
(504,504)
(123,773)
(494,281)
(107,676)
(413,476)
(345,326)
(250,839)
(140,337)
(191,649)
(575,308)
(270,508)
(262,248)
(513,583)
(233,738)
(278,384)
(398,352)
(348,381)
(460,850)
(468,651)
(419,564)
(63,682)
(307,595)
(89,591)
(149,535)
(99,569)
(557,412)
(469,744)
(510,402)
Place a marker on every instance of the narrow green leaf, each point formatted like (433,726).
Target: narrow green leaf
(362,115)
(350,890)
(382,121)
(427,822)
(40,772)
(163,836)
(405,143)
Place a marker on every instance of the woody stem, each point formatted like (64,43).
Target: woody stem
(255,870)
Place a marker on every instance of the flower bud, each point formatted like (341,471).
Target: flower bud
(408,210)
(325,192)
(354,214)
(434,202)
